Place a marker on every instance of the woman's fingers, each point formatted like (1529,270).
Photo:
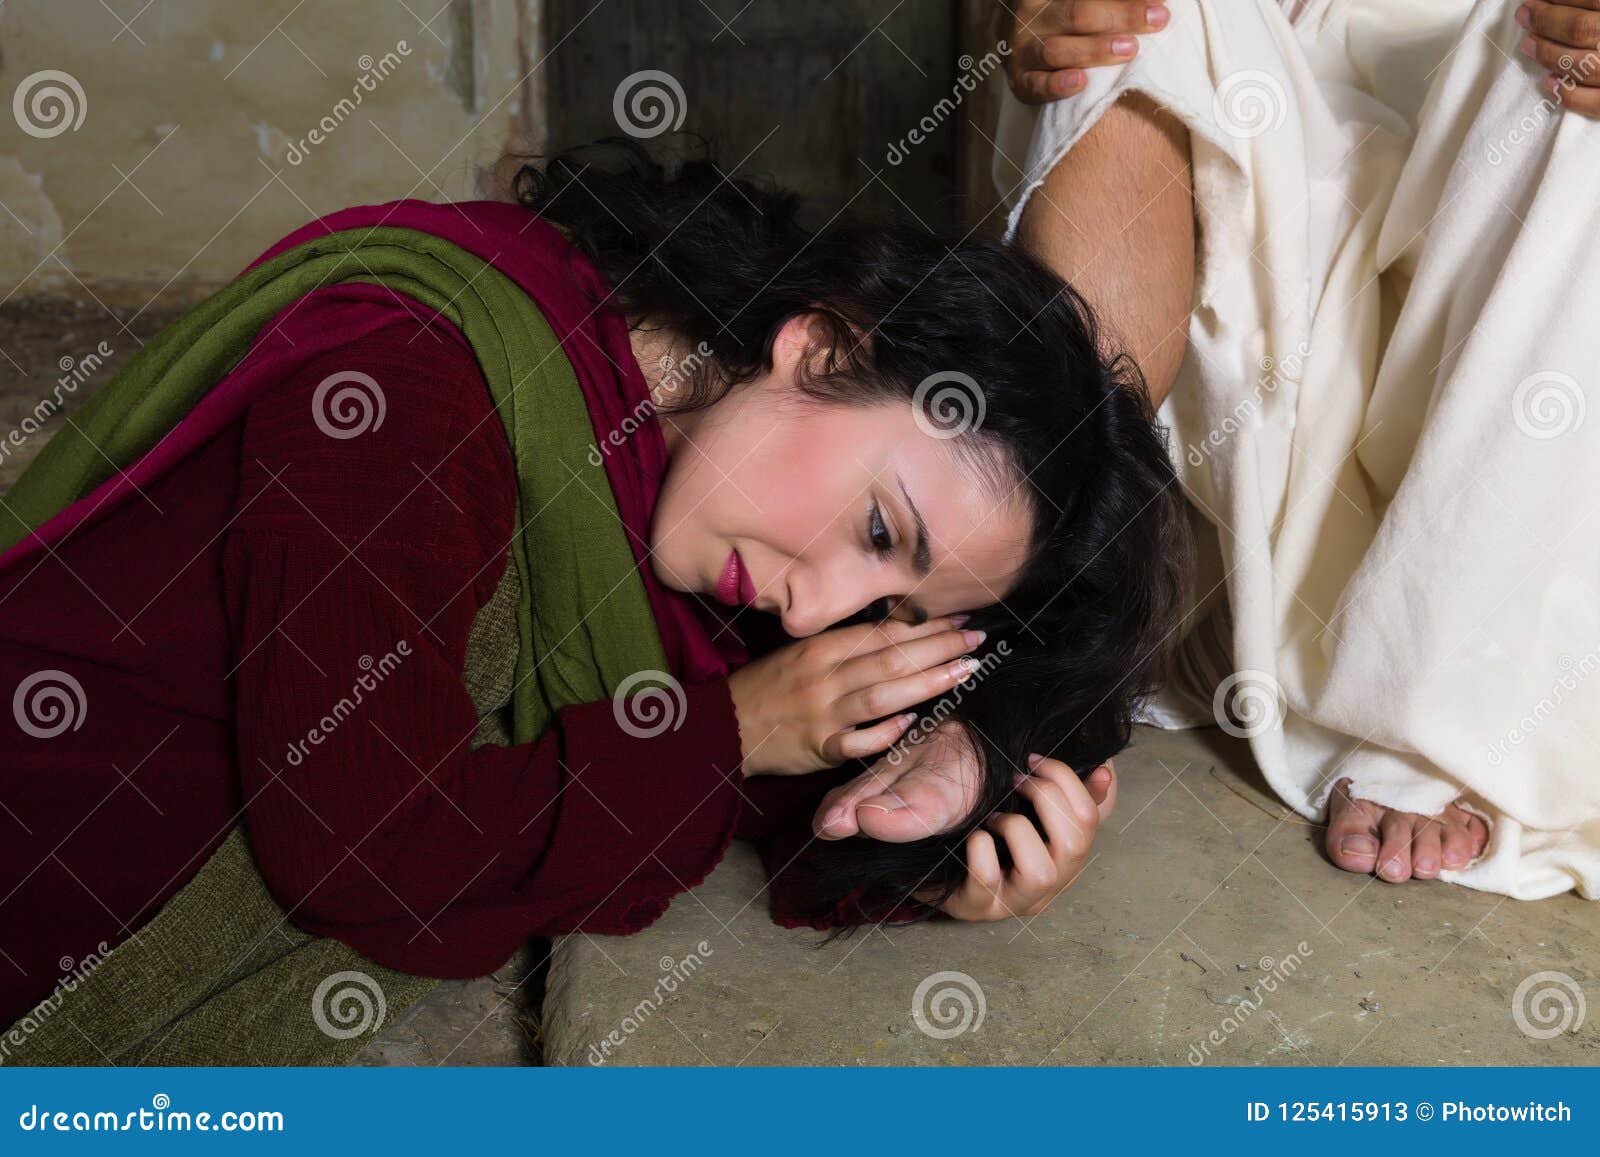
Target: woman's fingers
(1069,838)
(1084,807)
(1102,785)
(899,660)
(880,699)
(844,645)
(978,897)
(864,742)
(1032,878)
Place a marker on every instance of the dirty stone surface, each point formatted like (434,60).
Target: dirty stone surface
(1208,929)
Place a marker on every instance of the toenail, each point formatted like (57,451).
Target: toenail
(1359,846)
(1392,868)
(1454,860)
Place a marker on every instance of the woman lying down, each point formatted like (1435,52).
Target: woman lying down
(1376,381)
(468,573)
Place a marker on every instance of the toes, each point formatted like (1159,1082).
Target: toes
(1394,858)
(1465,837)
(1426,850)
(1351,842)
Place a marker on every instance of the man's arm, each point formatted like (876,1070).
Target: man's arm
(1115,217)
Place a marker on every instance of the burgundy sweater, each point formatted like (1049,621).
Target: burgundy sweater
(213,622)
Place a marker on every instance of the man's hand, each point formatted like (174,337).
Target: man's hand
(935,785)
(1564,37)
(1054,41)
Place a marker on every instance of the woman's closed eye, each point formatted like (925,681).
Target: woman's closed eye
(878,536)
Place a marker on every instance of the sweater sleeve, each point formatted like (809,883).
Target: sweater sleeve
(354,568)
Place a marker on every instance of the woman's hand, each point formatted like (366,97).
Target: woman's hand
(1069,810)
(1054,41)
(935,785)
(1564,36)
(799,707)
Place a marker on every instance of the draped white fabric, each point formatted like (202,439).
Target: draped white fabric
(1382,414)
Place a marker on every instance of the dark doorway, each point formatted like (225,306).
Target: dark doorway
(819,96)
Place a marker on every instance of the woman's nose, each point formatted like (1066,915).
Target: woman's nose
(829,600)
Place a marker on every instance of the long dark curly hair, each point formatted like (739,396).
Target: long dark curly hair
(1089,625)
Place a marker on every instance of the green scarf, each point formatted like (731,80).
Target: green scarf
(220,975)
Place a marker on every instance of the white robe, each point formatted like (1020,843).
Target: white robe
(1382,411)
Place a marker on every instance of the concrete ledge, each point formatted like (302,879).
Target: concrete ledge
(1208,929)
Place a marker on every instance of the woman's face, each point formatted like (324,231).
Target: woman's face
(812,511)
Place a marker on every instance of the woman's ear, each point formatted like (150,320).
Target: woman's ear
(821,343)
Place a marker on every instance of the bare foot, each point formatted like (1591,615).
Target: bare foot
(1367,837)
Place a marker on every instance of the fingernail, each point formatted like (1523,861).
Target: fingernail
(1122,46)
(1523,16)
(1156,16)
(962,668)
(1018,779)
(973,638)
(957,620)
(1069,82)
(1526,47)
(908,719)
(1359,846)
(1553,83)
(1035,759)
(1100,775)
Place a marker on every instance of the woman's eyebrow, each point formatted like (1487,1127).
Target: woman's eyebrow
(921,555)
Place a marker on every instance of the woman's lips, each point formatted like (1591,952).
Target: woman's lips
(734,585)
